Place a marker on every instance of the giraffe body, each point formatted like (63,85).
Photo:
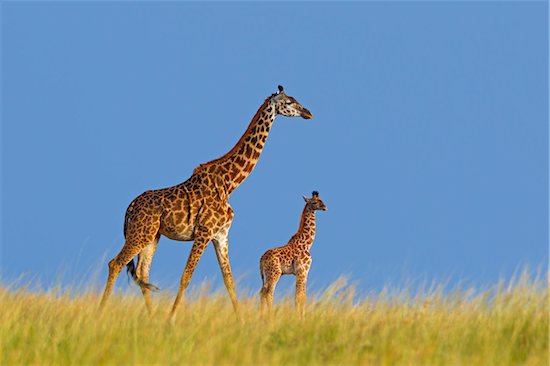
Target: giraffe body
(198,209)
(175,212)
(293,258)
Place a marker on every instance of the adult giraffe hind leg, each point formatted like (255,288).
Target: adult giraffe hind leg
(128,252)
(131,271)
(142,273)
(132,247)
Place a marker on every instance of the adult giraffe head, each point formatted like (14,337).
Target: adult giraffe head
(286,105)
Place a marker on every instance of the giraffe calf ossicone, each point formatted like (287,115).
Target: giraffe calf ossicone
(292,258)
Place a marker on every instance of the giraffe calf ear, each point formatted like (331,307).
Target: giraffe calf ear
(305,198)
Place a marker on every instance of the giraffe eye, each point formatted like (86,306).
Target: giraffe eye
(288,102)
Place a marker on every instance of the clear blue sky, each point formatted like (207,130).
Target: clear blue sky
(429,141)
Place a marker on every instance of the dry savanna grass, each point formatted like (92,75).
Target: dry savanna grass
(506,324)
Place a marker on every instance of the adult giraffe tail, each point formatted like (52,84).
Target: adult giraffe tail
(131,269)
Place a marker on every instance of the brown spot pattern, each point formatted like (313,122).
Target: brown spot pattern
(196,210)
(293,258)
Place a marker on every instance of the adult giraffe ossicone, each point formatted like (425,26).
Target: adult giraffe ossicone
(197,209)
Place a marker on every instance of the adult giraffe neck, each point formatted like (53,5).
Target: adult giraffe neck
(237,164)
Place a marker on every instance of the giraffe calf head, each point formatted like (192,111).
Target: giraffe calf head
(315,203)
(288,106)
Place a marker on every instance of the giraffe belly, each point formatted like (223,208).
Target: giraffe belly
(181,234)
(178,219)
(177,226)
(287,266)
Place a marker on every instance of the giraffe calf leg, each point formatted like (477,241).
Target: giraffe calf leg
(263,300)
(267,291)
(300,296)
(266,299)
(269,296)
(270,270)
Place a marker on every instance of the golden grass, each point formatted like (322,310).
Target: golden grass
(502,325)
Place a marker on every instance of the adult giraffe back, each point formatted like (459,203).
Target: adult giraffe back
(198,209)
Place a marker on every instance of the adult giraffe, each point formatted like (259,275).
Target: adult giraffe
(198,209)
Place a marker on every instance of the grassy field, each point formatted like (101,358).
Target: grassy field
(506,324)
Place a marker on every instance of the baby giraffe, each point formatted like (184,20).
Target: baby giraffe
(292,258)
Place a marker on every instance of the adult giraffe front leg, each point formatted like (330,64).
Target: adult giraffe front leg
(221,245)
(202,237)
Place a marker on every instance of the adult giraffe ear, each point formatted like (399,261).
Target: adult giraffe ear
(305,198)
